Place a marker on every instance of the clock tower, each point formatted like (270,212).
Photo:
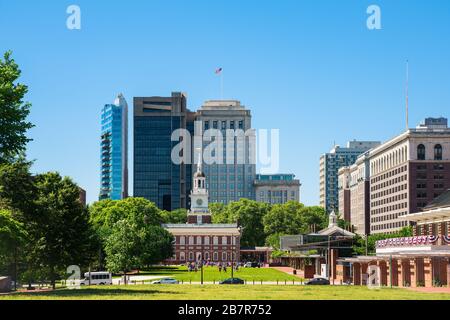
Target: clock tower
(199,213)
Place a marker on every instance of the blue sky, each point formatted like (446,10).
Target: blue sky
(310,68)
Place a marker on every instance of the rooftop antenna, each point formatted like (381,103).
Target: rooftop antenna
(407,95)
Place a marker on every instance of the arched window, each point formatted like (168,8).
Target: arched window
(191,256)
(421,152)
(438,152)
(216,256)
(182,256)
(206,255)
(224,256)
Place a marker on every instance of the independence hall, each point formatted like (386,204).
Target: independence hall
(403,182)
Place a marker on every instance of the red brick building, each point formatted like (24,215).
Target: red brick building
(199,240)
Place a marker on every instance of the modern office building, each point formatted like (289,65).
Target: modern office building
(277,188)
(230,177)
(156,177)
(405,174)
(331,162)
(114,150)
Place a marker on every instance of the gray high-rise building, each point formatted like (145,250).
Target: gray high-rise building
(331,162)
(232,179)
(156,177)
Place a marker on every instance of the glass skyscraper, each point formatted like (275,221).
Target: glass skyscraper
(114,150)
(156,177)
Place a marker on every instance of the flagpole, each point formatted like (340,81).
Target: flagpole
(407,95)
(221,85)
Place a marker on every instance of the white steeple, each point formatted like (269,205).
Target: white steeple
(332,220)
(199,194)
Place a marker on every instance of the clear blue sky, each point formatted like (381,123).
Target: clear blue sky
(310,68)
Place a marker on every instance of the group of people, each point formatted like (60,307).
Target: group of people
(222,266)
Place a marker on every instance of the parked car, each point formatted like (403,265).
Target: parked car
(252,265)
(318,281)
(166,281)
(232,281)
(97,278)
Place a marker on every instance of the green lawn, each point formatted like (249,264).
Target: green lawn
(220,292)
(213,274)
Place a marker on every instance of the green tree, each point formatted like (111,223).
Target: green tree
(157,245)
(249,215)
(175,216)
(218,212)
(284,219)
(122,247)
(61,235)
(13,111)
(130,246)
(17,190)
(313,217)
(12,237)
(359,247)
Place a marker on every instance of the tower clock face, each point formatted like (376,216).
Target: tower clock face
(199,202)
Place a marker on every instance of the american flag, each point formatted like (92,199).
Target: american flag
(218,71)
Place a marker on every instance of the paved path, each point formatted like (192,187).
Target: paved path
(432,290)
(287,270)
(139,279)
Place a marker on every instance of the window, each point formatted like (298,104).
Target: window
(224,241)
(438,152)
(182,240)
(215,124)
(215,256)
(216,240)
(182,256)
(232,125)
(191,256)
(199,240)
(206,255)
(206,240)
(206,125)
(224,256)
(421,152)
(241,124)
(224,125)
(191,240)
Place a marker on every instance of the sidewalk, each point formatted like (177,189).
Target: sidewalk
(287,270)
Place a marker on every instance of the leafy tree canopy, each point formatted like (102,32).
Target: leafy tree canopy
(13,110)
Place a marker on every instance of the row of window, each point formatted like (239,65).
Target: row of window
(421,152)
(390,174)
(207,256)
(387,217)
(393,207)
(389,183)
(398,224)
(224,124)
(206,240)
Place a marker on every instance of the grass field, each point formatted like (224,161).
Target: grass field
(220,292)
(213,274)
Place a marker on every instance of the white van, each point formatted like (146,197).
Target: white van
(97,278)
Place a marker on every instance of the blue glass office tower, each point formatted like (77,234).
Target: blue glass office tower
(156,177)
(114,150)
